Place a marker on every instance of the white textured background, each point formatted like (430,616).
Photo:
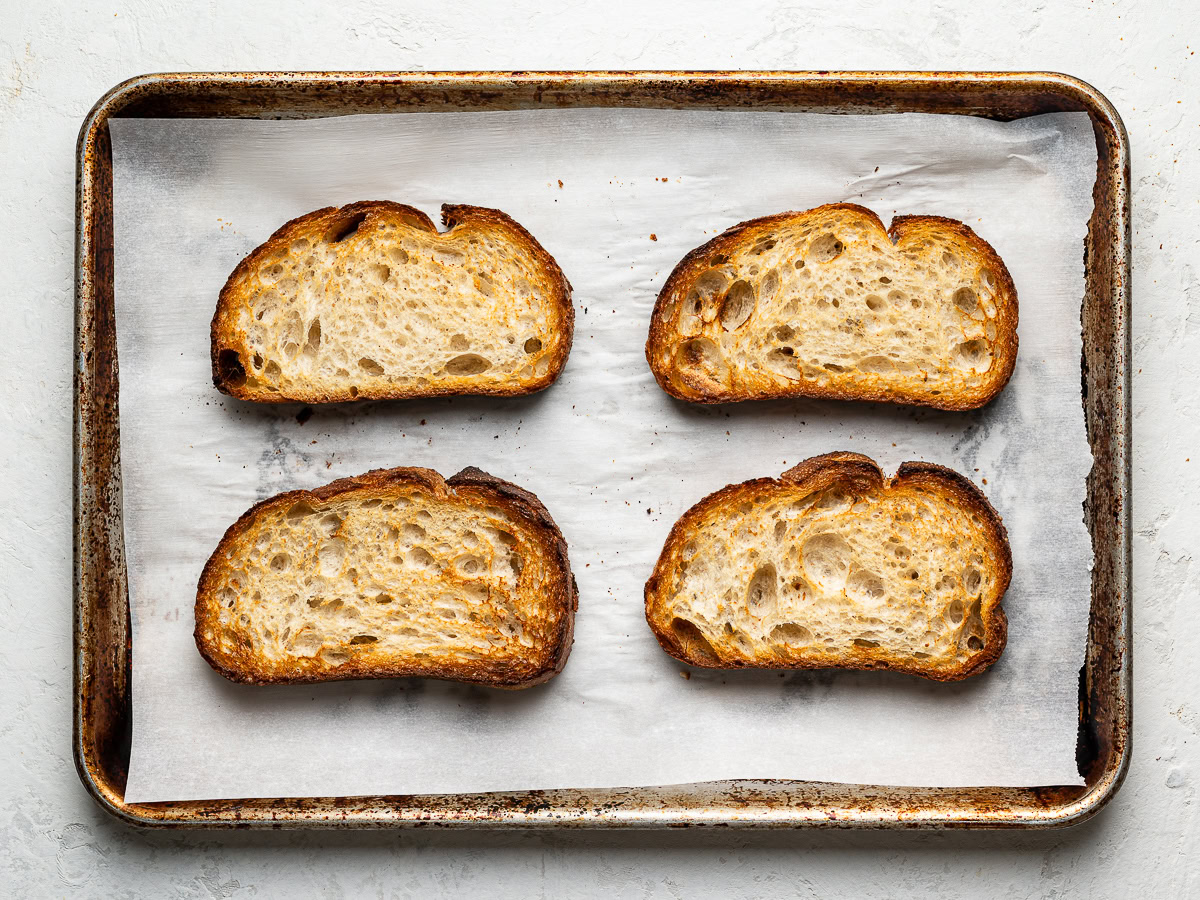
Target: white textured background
(57,58)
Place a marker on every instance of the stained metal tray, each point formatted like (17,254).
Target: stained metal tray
(101,612)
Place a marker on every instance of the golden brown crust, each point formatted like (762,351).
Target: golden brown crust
(541,664)
(858,473)
(695,387)
(228,372)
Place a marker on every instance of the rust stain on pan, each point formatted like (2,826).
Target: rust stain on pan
(101,611)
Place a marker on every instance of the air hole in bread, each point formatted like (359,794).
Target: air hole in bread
(874,302)
(770,284)
(876,365)
(827,560)
(954,612)
(693,642)
(701,353)
(833,501)
(280,562)
(459,342)
(763,246)
(972,580)
(363,639)
(791,634)
(230,368)
(865,643)
(467,364)
(345,228)
(384,598)
(330,556)
(866,588)
(353,388)
(737,305)
(781,361)
(398,255)
(313,344)
(420,558)
(379,273)
(974,642)
(825,248)
(298,511)
(973,355)
(533,345)
(334,657)
(946,584)
(711,283)
(469,565)
(966,300)
(763,592)
(370,366)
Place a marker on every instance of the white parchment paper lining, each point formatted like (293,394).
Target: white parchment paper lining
(614,459)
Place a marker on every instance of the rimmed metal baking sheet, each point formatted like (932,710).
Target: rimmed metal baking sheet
(101,608)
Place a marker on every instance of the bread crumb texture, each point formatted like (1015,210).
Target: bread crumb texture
(832,566)
(826,303)
(371,301)
(392,573)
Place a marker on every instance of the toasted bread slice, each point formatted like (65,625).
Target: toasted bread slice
(826,303)
(832,566)
(370,301)
(392,573)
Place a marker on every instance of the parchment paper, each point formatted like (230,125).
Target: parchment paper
(614,459)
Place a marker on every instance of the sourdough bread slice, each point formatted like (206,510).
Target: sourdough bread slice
(834,566)
(826,303)
(370,301)
(391,573)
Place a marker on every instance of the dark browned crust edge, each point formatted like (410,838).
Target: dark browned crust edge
(820,473)
(225,377)
(515,500)
(688,267)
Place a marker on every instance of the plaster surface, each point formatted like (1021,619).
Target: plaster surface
(58,57)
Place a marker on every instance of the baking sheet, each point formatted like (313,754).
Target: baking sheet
(614,459)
